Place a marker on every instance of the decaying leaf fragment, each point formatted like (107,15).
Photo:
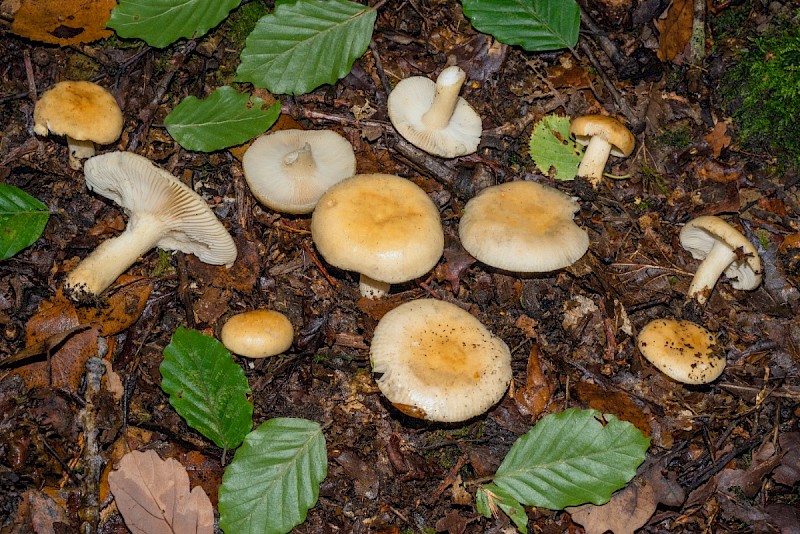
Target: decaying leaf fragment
(153,496)
(63,22)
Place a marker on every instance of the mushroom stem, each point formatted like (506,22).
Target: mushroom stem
(448,85)
(113,257)
(79,150)
(709,271)
(371,288)
(594,159)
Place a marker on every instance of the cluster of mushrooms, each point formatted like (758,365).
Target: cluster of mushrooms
(432,359)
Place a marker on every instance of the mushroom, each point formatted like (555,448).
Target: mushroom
(257,333)
(162,212)
(682,350)
(382,226)
(433,117)
(437,362)
(723,249)
(82,111)
(603,136)
(289,170)
(522,227)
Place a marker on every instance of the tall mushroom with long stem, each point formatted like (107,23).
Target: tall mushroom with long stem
(603,136)
(433,117)
(162,212)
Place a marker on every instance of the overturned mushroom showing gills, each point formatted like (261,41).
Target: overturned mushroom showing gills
(84,112)
(382,226)
(162,212)
(437,362)
(433,117)
(603,136)
(722,248)
(523,227)
(289,170)
(682,350)
(257,333)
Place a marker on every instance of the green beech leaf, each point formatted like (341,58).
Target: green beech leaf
(535,25)
(206,387)
(490,497)
(22,220)
(552,149)
(162,22)
(572,458)
(274,478)
(305,44)
(226,118)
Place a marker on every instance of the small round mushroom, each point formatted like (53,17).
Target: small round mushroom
(382,226)
(682,350)
(433,117)
(523,227)
(257,333)
(722,248)
(289,170)
(437,362)
(162,212)
(603,136)
(84,112)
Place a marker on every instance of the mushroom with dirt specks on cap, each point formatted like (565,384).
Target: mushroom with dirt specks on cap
(682,350)
(381,226)
(257,333)
(289,170)
(162,212)
(84,112)
(435,361)
(722,248)
(523,227)
(433,117)
(603,136)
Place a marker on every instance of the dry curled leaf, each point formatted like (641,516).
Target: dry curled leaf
(153,496)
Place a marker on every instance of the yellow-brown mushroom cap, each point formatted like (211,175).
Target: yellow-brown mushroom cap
(614,132)
(682,350)
(257,333)
(81,110)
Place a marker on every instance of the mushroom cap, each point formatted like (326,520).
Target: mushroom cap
(682,350)
(380,225)
(257,333)
(141,188)
(609,128)
(81,110)
(281,179)
(438,362)
(699,235)
(412,98)
(523,227)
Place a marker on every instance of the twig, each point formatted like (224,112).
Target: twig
(319,265)
(29,74)
(93,461)
(623,106)
(697,47)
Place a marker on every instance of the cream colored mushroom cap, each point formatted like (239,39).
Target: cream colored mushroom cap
(438,362)
(523,227)
(289,170)
(614,132)
(699,235)
(81,110)
(379,225)
(411,99)
(682,350)
(257,333)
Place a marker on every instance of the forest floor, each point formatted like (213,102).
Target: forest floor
(723,456)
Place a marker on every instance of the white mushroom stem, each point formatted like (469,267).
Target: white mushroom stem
(448,86)
(302,158)
(371,288)
(718,259)
(113,257)
(594,159)
(78,150)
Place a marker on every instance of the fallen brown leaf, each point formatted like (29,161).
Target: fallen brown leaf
(153,496)
(675,30)
(533,398)
(718,138)
(613,402)
(63,22)
(38,513)
(122,308)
